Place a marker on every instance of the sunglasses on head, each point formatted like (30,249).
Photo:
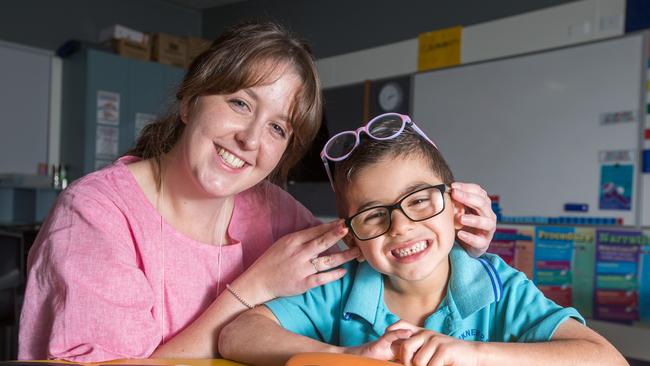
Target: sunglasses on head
(383,127)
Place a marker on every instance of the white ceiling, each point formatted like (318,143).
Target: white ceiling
(203,4)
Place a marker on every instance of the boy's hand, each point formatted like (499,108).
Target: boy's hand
(426,347)
(384,348)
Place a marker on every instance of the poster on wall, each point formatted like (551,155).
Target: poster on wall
(503,245)
(615,191)
(553,257)
(525,251)
(106,142)
(108,108)
(583,267)
(616,295)
(604,273)
(644,278)
(516,247)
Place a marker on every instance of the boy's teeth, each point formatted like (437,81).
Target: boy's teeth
(230,159)
(416,248)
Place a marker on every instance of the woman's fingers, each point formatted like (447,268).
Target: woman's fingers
(333,260)
(478,224)
(474,197)
(324,267)
(479,221)
(321,278)
(477,243)
(316,232)
(317,239)
(328,238)
(469,187)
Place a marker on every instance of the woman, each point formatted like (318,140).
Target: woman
(134,259)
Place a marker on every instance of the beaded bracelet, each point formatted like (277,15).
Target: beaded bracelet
(238,297)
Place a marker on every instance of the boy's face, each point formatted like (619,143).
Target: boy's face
(411,251)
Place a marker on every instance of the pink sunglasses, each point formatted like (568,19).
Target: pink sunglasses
(383,127)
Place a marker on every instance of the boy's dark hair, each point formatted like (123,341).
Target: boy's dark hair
(371,151)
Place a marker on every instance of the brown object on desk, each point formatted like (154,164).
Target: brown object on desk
(333,359)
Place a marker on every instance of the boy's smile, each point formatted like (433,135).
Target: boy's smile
(410,251)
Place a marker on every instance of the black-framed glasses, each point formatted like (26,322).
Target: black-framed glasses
(418,205)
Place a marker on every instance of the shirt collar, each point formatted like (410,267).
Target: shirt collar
(474,282)
(366,294)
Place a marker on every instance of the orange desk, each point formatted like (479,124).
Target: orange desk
(334,359)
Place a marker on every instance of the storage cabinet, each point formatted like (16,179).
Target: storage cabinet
(105,99)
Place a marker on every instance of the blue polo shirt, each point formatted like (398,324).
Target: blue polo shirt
(486,300)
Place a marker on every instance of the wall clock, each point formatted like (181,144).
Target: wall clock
(390,97)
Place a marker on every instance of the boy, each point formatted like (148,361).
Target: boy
(417,297)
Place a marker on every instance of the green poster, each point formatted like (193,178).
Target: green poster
(584,259)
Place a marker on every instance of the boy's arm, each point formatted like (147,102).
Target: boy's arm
(257,338)
(571,344)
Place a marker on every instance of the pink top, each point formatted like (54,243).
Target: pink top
(95,273)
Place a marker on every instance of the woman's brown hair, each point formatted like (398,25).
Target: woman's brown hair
(241,57)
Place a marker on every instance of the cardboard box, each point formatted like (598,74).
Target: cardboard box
(170,50)
(195,46)
(128,48)
(117,31)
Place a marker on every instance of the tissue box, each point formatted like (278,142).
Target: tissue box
(117,31)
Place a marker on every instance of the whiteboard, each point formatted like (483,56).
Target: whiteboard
(528,128)
(25,108)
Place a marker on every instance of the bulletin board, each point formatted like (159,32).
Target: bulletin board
(25,104)
(544,129)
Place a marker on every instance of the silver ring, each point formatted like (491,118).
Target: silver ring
(314,262)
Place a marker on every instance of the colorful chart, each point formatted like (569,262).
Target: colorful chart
(604,273)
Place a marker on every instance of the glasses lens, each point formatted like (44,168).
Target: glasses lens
(421,205)
(371,223)
(386,127)
(341,145)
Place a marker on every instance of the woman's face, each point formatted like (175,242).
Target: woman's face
(232,142)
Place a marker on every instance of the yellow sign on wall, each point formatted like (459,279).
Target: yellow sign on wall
(439,48)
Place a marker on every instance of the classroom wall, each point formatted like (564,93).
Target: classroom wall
(335,27)
(47,24)
(556,26)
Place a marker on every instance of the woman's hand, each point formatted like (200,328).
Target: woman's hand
(426,347)
(479,221)
(292,265)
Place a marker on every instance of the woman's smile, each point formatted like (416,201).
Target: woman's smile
(229,159)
